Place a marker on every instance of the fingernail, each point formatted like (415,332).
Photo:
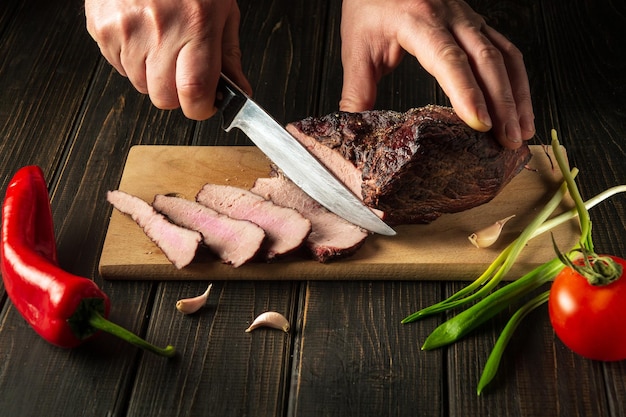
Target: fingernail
(527,123)
(513,132)
(483,117)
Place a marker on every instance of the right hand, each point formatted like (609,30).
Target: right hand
(173,51)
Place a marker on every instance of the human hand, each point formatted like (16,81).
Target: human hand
(482,73)
(172,50)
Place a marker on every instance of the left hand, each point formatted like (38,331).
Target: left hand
(482,72)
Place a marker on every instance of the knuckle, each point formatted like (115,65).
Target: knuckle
(513,52)
(489,53)
(115,27)
(192,88)
(452,54)
(164,100)
(231,55)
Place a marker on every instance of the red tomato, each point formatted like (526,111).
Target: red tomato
(590,320)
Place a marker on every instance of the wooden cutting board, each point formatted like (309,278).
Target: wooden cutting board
(438,251)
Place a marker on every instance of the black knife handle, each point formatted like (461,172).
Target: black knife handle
(228,99)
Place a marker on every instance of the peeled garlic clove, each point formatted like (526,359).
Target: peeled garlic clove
(270,319)
(488,236)
(191,305)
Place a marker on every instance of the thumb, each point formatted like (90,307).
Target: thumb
(359,85)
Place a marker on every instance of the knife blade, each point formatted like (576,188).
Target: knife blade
(301,167)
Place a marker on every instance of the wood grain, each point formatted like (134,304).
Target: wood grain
(345,368)
(437,251)
(64,108)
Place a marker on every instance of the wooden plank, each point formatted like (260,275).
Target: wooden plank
(6,13)
(356,359)
(436,251)
(525,362)
(47,64)
(522,366)
(589,85)
(220,370)
(340,371)
(590,91)
(223,371)
(39,80)
(47,76)
(105,365)
(534,353)
(34,110)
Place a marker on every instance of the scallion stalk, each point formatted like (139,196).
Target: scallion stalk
(493,362)
(492,276)
(493,302)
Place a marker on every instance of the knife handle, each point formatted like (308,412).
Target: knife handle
(228,99)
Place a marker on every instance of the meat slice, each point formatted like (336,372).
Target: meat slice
(331,236)
(234,241)
(178,244)
(285,228)
(413,166)
(343,168)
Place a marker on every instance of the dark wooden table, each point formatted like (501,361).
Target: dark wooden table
(63,108)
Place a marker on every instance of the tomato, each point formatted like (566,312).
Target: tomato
(590,319)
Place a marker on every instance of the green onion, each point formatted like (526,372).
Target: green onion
(460,325)
(486,282)
(490,302)
(493,362)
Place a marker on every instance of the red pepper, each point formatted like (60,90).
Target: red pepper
(62,308)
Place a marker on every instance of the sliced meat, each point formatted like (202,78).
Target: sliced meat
(234,241)
(285,228)
(178,244)
(413,166)
(344,169)
(331,236)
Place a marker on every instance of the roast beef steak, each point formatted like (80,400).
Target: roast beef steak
(413,166)
(178,244)
(234,241)
(331,236)
(285,228)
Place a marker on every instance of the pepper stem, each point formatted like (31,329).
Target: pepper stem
(99,322)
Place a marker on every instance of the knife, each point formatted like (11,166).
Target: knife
(240,111)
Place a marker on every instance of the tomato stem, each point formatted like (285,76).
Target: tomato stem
(489,302)
(597,270)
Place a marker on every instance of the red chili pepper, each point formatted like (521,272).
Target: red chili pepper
(62,308)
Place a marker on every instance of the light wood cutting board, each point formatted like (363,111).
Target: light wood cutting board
(438,251)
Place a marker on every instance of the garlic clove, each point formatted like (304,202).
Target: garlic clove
(270,319)
(191,305)
(488,236)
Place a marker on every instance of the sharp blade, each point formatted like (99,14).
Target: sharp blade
(304,169)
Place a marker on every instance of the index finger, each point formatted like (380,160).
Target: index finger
(439,53)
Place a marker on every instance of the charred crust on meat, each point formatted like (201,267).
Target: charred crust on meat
(419,164)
